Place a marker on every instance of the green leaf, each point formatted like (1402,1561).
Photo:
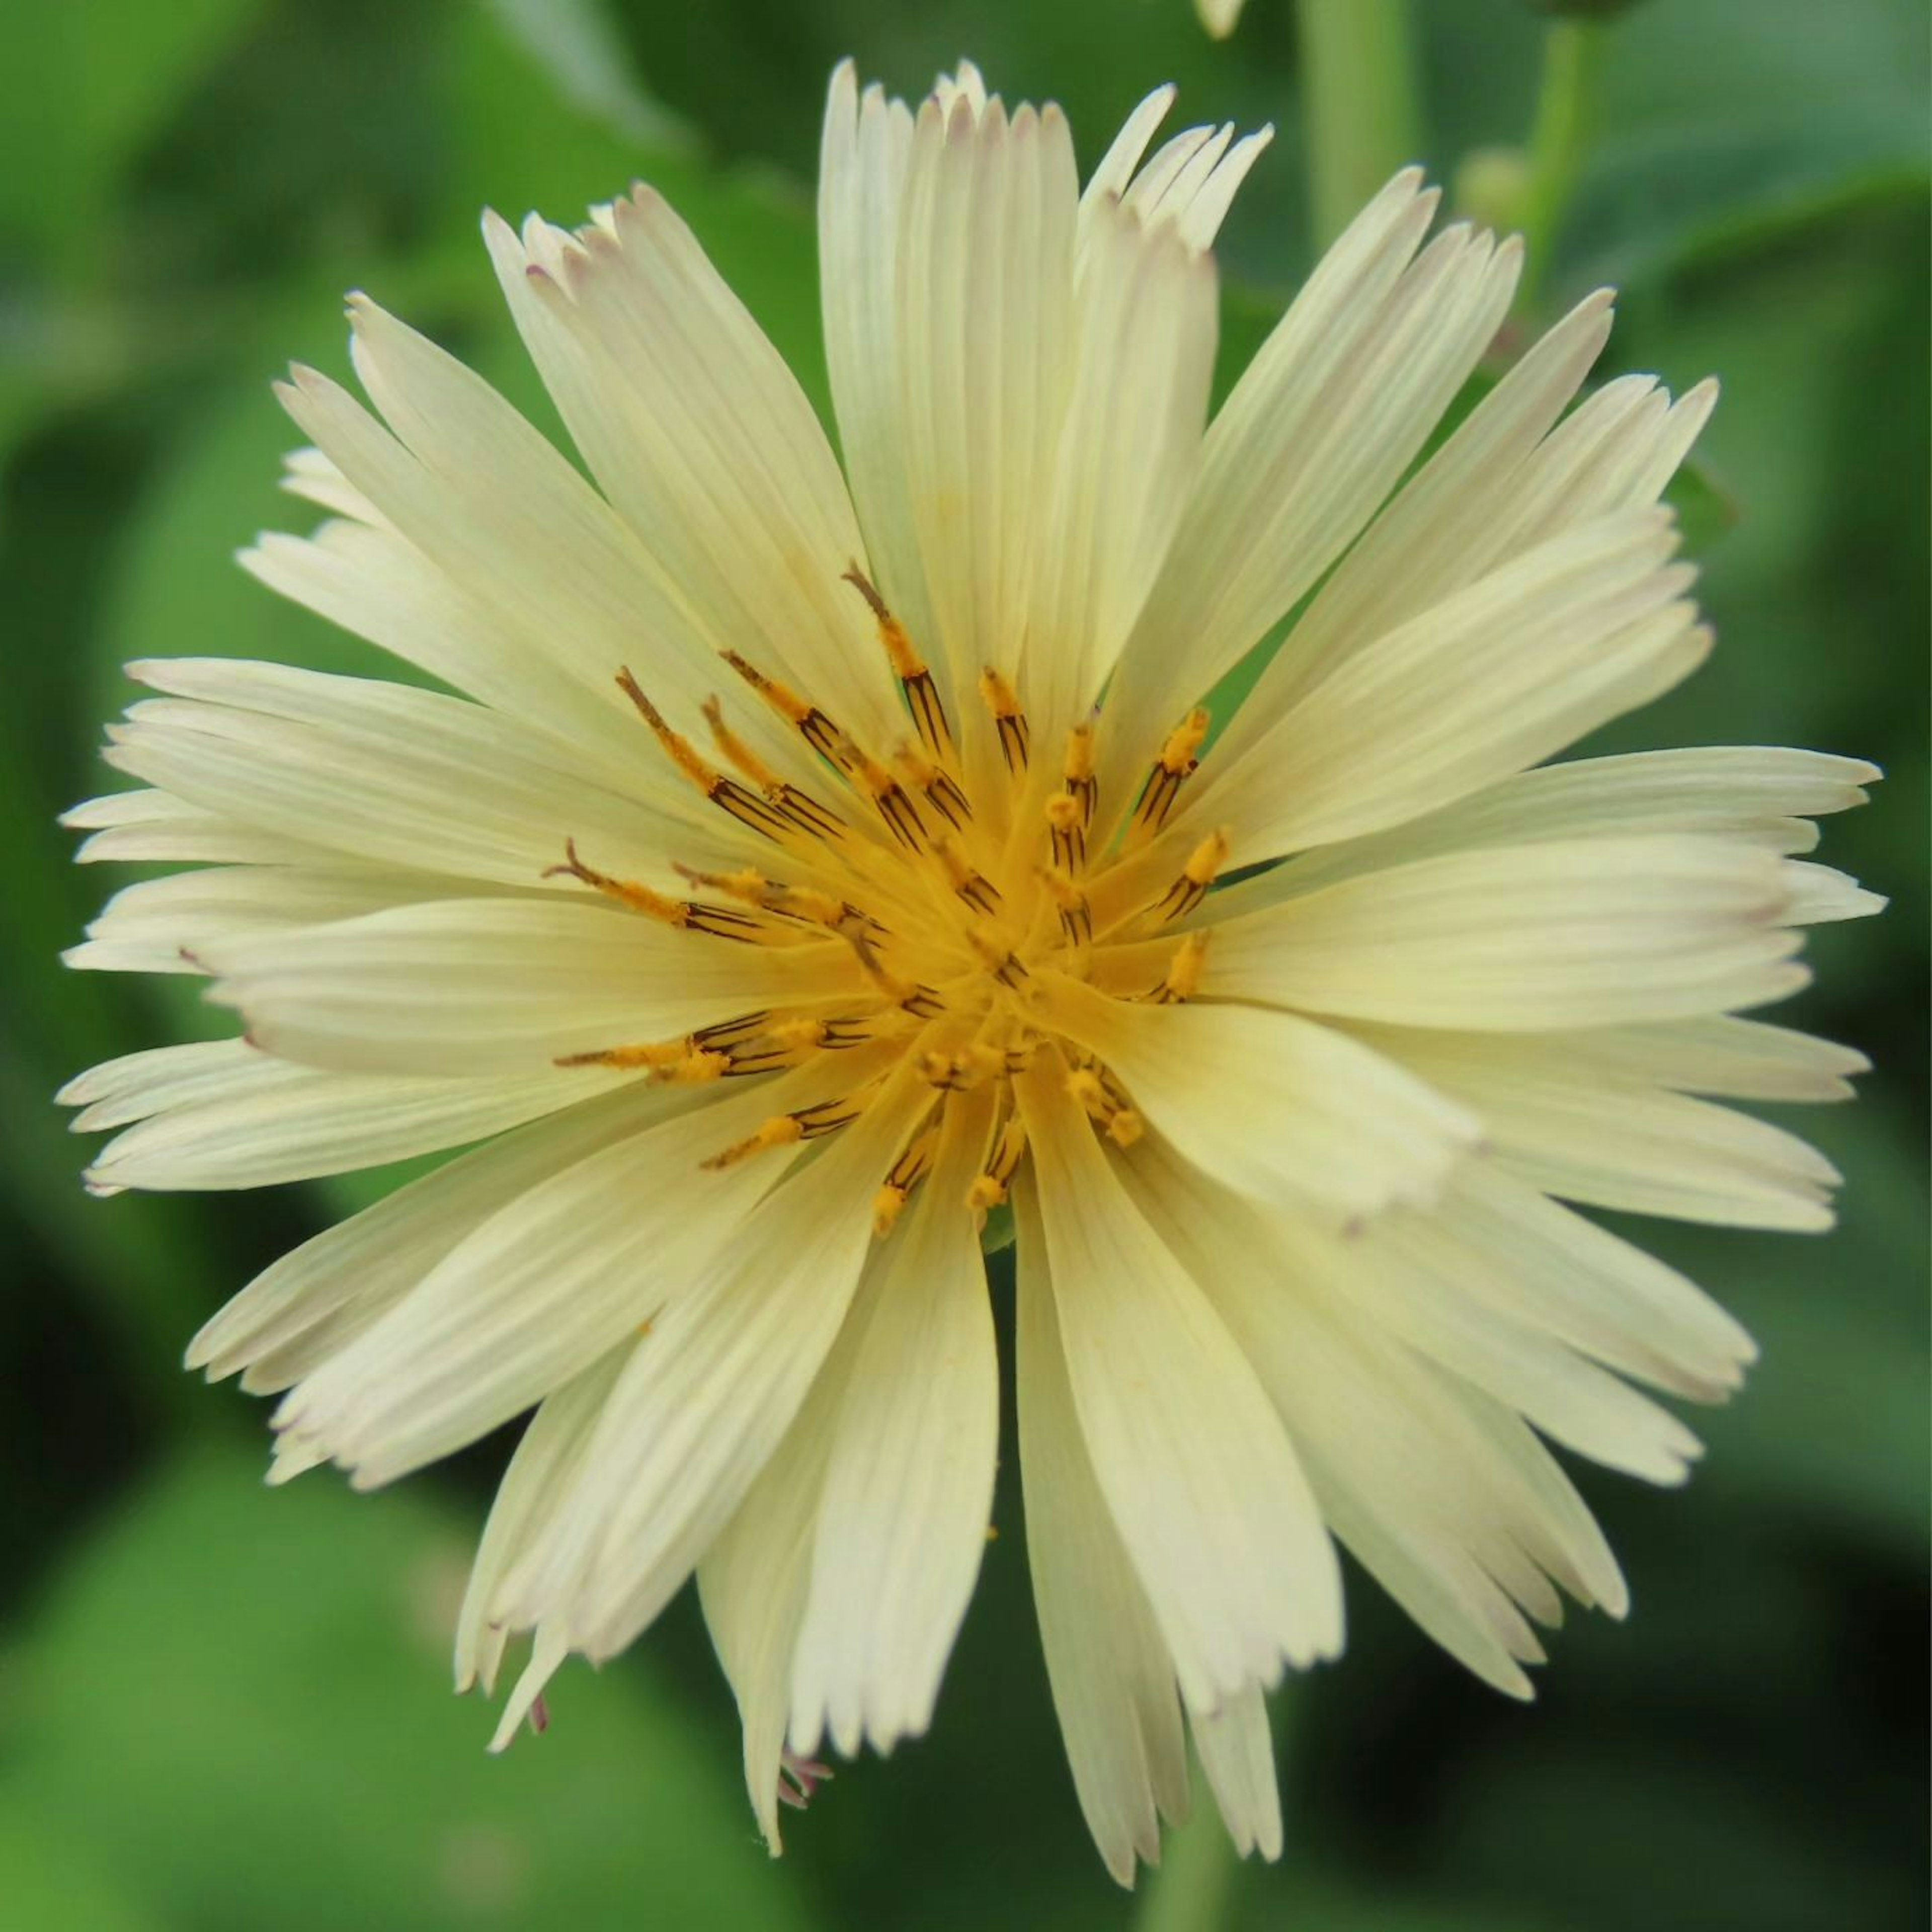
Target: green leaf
(235,1707)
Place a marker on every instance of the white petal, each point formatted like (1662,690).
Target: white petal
(1273,1104)
(548,1456)
(1494,678)
(1112,1678)
(1764,795)
(530,1296)
(1237,1754)
(985,294)
(1595,932)
(266,1121)
(702,440)
(861,179)
(144,826)
(1203,1485)
(1822,893)
(902,1525)
(1736,1059)
(501,986)
(1315,434)
(307,1305)
(1581,1136)
(698,1414)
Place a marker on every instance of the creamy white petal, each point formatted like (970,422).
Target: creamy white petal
(862,157)
(536,1291)
(501,986)
(1112,1678)
(1448,1501)
(1721,1055)
(1274,1105)
(984,327)
(1820,894)
(1499,676)
(1646,1150)
(902,1525)
(696,1415)
(1602,931)
(1202,1483)
(1143,356)
(157,1079)
(398,777)
(701,438)
(145,826)
(1317,432)
(305,1307)
(1237,1753)
(268,1120)
(159,925)
(1763,795)
(548,1456)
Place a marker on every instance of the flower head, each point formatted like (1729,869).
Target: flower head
(804,864)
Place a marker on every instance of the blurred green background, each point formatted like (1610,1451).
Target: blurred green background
(222,1708)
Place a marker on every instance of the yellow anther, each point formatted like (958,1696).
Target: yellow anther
(785,701)
(997,692)
(694,1069)
(955,1073)
(625,891)
(1079,767)
(974,887)
(994,953)
(735,751)
(1203,867)
(984,1195)
(906,662)
(679,747)
(939,788)
(1009,1151)
(1206,860)
(798,1035)
(1184,974)
(653,1054)
(780,1130)
(1182,750)
(1063,812)
(887,1205)
(1083,1084)
(1126,1127)
(1076,918)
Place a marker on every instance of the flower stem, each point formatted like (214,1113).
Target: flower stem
(1190,1892)
(1557,139)
(1364,120)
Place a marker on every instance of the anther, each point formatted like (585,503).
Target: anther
(784,798)
(1077,774)
(797,902)
(720,922)
(939,789)
(746,807)
(1076,915)
(929,715)
(1003,701)
(1184,974)
(817,731)
(1126,1127)
(996,955)
(959,1072)
(893,803)
(1203,867)
(975,888)
(1180,757)
(908,1171)
(989,1189)
(1067,826)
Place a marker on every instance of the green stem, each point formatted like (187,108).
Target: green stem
(1558,139)
(1364,118)
(1189,1893)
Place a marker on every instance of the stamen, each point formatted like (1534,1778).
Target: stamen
(1179,759)
(989,1189)
(800,807)
(1067,824)
(1078,773)
(720,922)
(995,955)
(798,902)
(1076,915)
(1184,974)
(975,888)
(817,731)
(929,715)
(887,794)
(941,790)
(1003,701)
(681,1062)
(806,1123)
(907,1172)
(746,807)
(1203,866)
(960,1073)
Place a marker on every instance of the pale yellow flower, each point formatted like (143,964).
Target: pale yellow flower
(818,861)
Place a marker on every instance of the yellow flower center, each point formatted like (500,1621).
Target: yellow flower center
(961,891)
